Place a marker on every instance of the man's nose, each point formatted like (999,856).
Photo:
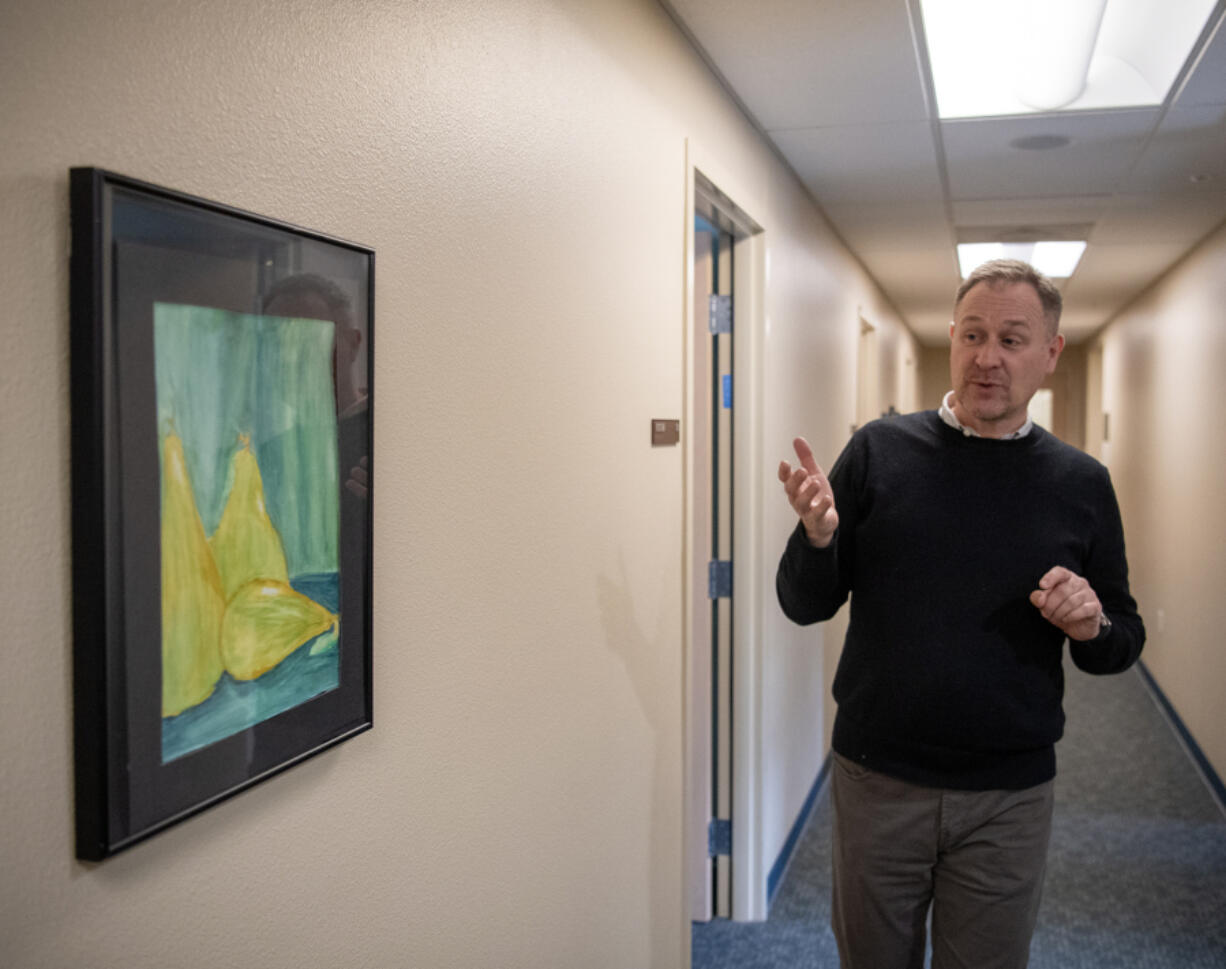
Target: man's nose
(987,355)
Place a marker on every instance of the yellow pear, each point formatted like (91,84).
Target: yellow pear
(192,604)
(246,544)
(265,621)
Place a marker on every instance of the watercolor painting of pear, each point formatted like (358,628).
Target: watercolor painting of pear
(246,411)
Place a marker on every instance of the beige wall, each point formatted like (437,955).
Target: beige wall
(934,375)
(1068,387)
(520,169)
(1163,391)
(827,426)
(810,382)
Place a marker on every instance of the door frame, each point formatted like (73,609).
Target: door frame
(748,875)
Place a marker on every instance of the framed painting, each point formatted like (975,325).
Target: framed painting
(222,403)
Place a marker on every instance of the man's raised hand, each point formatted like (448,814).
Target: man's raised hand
(1067,601)
(809,495)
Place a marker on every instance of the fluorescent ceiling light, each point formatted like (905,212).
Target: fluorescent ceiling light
(1002,57)
(1055,259)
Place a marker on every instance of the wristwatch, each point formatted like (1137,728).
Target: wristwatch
(1104,626)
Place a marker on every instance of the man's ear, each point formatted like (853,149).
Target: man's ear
(1057,346)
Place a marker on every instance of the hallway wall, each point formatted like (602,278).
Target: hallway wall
(1166,448)
(519,166)
(934,375)
(810,380)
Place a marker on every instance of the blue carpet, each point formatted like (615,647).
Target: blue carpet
(1136,875)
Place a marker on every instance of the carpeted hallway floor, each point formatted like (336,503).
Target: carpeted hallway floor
(1136,875)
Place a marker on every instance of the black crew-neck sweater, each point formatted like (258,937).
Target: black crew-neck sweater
(949,677)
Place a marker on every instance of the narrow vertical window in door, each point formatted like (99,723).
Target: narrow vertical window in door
(702,870)
(717,248)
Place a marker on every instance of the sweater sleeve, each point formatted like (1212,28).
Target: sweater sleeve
(1107,572)
(812,583)
(807,582)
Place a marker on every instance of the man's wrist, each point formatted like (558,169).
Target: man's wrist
(1104,627)
(817,542)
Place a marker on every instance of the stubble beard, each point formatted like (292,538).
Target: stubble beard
(986,409)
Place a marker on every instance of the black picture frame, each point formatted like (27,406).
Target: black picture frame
(189,319)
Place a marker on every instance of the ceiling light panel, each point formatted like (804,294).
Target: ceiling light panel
(992,57)
(1055,259)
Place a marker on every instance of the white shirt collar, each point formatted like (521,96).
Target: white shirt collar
(950,418)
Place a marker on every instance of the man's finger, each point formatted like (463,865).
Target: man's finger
(1054,600)
(821,504)
(1054,576)
(1060,611)
(1081,604)
(805,454)
(795,482)
(805,495)
(785,471)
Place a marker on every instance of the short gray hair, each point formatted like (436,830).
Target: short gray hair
(997,272)
(295,289)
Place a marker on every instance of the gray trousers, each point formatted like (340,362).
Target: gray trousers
(976,857)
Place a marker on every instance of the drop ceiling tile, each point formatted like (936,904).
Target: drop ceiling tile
(916,280)
(927,274)
(1020,212)
(1102,148)
(1190,141)
(1185,218)
(1086,313)
(1090,304)
(920,283)
(865,225)
(796,63)
(1119,272)
(864,163)
(930,327)
(1078,326)
(1207,85)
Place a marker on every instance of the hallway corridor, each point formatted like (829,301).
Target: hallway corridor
(1137,870)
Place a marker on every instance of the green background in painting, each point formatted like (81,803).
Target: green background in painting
(220,375)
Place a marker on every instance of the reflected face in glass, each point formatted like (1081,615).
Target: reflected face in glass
(303,302)
(1001,350)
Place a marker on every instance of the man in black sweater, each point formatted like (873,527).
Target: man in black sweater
(972,543)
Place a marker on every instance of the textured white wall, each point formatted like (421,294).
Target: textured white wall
(519,168)
(1163,392)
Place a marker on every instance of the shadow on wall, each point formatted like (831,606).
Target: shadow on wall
(641,656)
